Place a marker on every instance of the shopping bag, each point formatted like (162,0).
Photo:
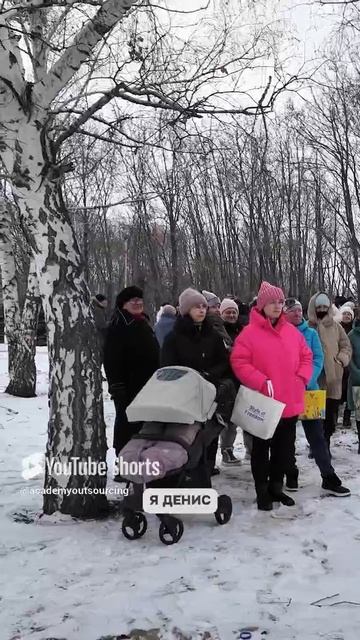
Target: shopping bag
(257,414)
(315,405)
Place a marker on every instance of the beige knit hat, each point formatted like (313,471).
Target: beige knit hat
(190,298)
(227,303)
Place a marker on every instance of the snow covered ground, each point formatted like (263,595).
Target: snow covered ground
(83,581)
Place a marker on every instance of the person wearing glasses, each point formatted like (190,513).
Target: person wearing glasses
(271,350)
(314,429)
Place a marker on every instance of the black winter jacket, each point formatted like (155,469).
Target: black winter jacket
(233,329)
(131,353)
(198,347)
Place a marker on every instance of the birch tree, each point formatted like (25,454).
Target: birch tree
(50,55)
(20,316)
(10,291)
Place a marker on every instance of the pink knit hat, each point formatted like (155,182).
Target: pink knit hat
(267,294)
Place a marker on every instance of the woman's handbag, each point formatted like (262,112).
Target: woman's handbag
(257,414)
(315,405)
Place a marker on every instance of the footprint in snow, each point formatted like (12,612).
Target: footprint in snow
(318,544)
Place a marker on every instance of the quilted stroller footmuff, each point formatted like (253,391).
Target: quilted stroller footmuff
(163,448)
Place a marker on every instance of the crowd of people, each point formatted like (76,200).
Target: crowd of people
(268,344)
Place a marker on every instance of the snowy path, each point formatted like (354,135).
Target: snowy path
(82,581)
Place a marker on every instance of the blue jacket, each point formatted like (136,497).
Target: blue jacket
(164,327)
(313,341)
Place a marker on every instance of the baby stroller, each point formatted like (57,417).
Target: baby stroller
(177,406)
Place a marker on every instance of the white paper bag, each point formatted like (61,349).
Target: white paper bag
(256,413)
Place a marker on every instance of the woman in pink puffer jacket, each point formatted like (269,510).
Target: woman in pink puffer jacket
(271,349)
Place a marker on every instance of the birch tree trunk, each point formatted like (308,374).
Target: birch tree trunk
(76,424)
(9,286)
(23,381)
(20,328)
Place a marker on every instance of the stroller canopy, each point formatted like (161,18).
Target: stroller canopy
(174,394)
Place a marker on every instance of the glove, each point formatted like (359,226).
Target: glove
(118,393)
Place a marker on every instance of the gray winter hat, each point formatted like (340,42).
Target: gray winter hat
(190,298)
(211,298)
(322,300)
(168,310)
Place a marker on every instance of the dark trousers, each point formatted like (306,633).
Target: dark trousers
(270,459)
(123,429)
(331,415)
(211,453)
(314,432)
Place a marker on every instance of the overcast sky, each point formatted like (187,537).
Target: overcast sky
(312,23)
(306,27)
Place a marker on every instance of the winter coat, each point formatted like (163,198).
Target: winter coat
(233,329)
(244,312)
(218,324)
(354,367)
(336,347)
(131,354)
(278,353)
(199,347)
(313,342)
(347,326)
(164,325)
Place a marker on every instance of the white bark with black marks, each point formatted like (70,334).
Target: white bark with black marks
(23,380)
(76,422)
(20,326)
(10,292)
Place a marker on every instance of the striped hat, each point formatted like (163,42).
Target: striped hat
(267,294)
(292,303)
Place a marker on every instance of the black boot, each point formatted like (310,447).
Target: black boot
(332,485)
(347,418)
(292,480)
(263,498)
(358,430)
(276,492)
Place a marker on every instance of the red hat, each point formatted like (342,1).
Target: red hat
(267,294)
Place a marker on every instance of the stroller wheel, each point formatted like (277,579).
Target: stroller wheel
(171,530)
(134,525)
(224,511)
